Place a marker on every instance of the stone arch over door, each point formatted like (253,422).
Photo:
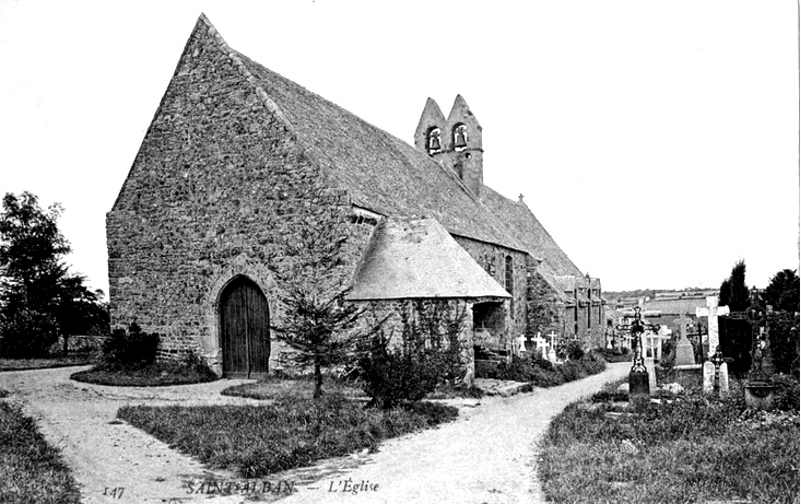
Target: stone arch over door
(244,322)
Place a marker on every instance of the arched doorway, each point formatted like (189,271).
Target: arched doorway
(244,329)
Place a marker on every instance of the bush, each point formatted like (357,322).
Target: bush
(574,351)
(133,348)
(429,354)
(787,392)
(542,373)
(784,342)
(27,333)
(392,376)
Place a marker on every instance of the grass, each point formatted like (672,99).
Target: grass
(693,448)
(32,470)
(151,375)
(289,432)
(276,386)
(76,359)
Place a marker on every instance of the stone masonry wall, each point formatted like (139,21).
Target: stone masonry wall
(389,312)
(213,193)
(493,259)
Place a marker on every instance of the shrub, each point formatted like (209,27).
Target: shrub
(392,375)
(429,354)
(575,350)
(27,333)
(787,392)
(133,348)
(784,342)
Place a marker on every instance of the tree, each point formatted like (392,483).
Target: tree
(314,285)
(783,295)
(38,297)
(80,310)
(734,292)
(783,291)
(735,335)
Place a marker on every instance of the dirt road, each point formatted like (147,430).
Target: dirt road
(486,456)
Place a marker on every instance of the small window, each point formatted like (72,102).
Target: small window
(459,137)
(433,141)
(510,284)
(459,169)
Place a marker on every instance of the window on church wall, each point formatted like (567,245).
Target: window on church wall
(459,137)
(434,141)
(510,284)
(459,169)
(589,308)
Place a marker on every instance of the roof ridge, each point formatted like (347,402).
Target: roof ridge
(240,65)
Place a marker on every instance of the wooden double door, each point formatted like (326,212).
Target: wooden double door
(245,329)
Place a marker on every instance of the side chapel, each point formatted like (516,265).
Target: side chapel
(236,153)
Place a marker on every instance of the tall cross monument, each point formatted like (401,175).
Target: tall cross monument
(712,312)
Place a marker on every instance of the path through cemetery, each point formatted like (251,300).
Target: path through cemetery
(487,455)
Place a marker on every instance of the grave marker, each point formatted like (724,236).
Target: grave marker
(640,380)
(521,343)
(712,311)
(685,356)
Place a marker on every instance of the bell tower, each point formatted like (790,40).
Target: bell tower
(465,153)
(454,143)
(430,135)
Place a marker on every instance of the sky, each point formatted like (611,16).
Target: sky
(657,142)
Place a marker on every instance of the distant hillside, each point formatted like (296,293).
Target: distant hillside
(631,296)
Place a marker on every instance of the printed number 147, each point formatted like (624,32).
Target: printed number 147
(115,492)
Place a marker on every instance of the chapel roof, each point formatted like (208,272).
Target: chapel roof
(556,266)
(418,258)
(380,172)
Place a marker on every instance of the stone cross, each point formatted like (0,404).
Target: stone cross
(712,312)
(521,343)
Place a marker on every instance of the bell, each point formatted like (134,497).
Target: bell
(433,142)
(460,137)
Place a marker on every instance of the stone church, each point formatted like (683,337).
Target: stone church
(239,159)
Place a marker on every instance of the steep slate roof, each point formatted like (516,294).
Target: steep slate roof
(556,268)
(419,259)
(380,172)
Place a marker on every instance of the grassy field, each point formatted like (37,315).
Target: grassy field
(691,448)
(289,432)
(152,375)
(32,471)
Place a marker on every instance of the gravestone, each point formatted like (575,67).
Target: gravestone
(651,368)
(724,380)
(540,346)
(552,355)
(716,380)
(712,311)
(685,355)
(709,377)
(521,343)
